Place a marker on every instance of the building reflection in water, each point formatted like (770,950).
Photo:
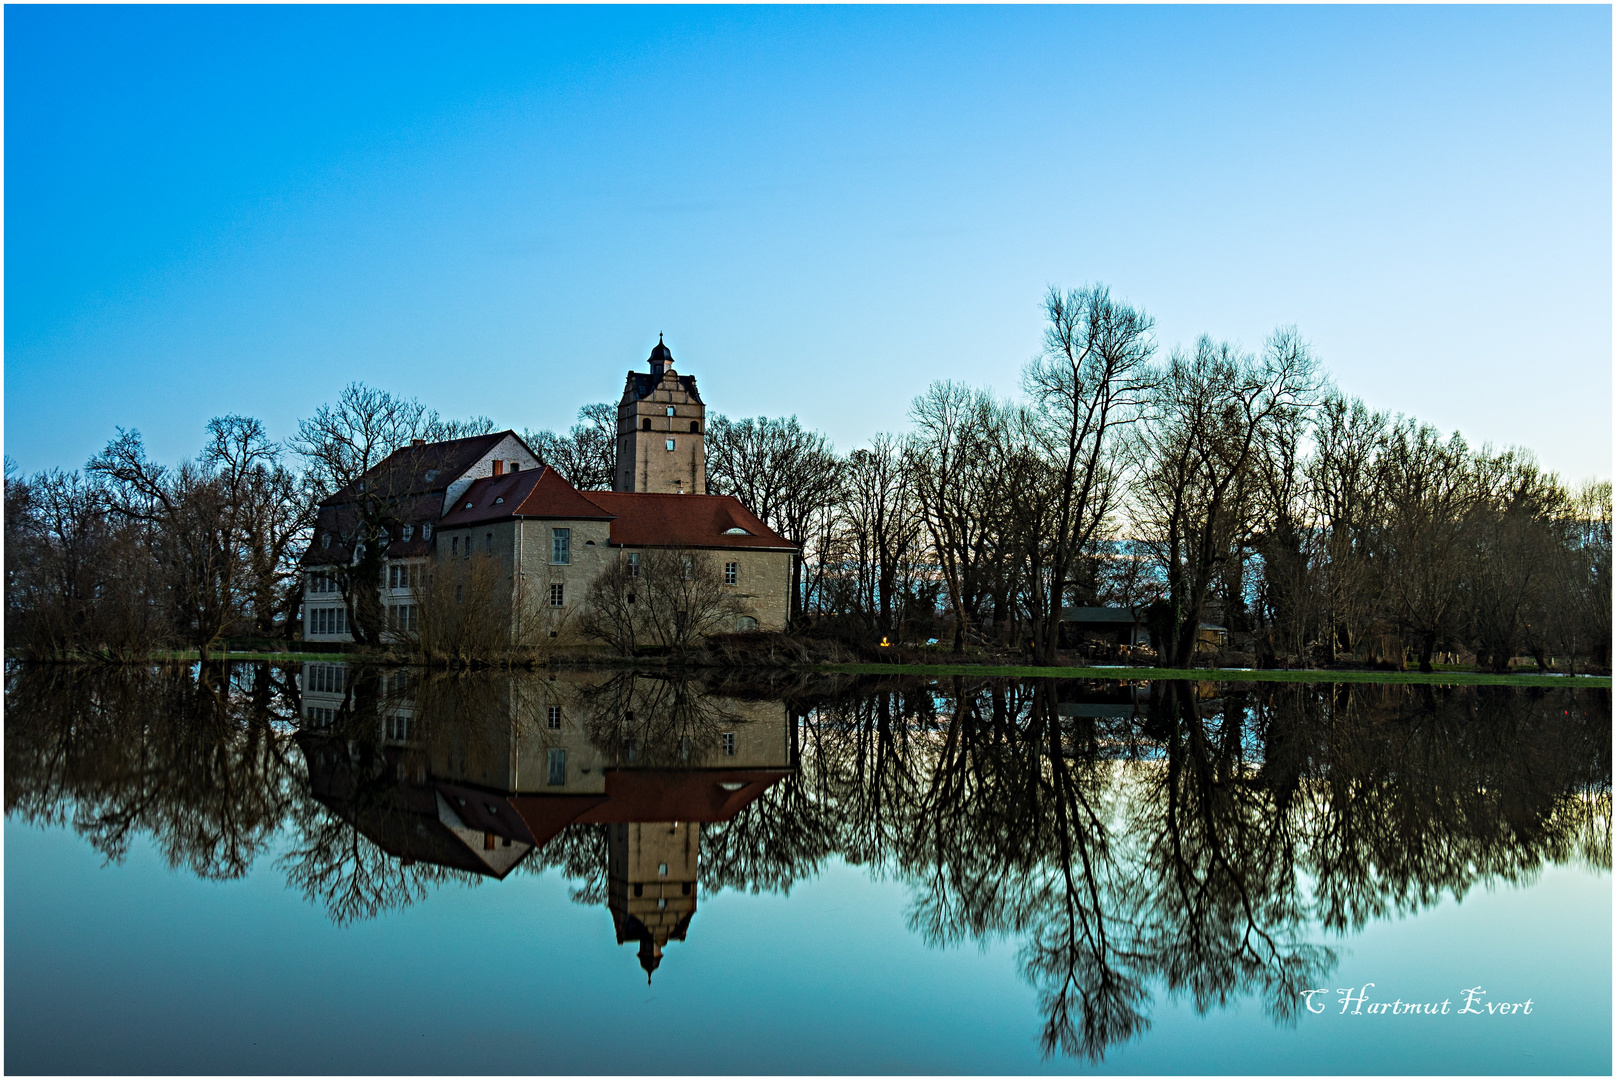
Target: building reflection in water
(1192,839)
(480,775)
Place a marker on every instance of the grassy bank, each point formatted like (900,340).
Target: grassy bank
(1449,677)
(1435,678)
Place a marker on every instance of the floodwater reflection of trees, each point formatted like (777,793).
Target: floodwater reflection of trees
(1202,840)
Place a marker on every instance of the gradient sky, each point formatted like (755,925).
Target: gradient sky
(214,210)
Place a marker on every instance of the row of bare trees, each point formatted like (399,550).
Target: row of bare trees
(130,555)
(1214,485)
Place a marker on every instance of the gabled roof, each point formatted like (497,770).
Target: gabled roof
(537,493)
(417,470)
(340,521)
(650,519)
(642,384)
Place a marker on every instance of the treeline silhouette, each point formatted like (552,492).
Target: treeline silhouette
(1211,484)
(1192,838)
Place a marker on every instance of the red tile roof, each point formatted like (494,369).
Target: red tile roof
(538,493)
(638,519)
(646,519)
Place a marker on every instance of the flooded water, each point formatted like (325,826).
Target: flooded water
(329,869)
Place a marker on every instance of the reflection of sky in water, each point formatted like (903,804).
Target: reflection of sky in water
(1213,827)
(138,968)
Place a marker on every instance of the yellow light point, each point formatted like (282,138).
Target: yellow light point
(884,643)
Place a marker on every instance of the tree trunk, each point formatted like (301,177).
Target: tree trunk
(1427,645)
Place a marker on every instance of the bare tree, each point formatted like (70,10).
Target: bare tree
(785,475)
(960,493)
(1194,505)
(666,598)
(340,443)
(1091,379)
(587,454)
(199,520)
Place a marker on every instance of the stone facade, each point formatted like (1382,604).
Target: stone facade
(545,542)
(661,431)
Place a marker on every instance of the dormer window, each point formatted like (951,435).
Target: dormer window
(325,540)
(499,500)
(736,531)
(426,530)
(468,506)
(409,533)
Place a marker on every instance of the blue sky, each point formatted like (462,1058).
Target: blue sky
(214,210)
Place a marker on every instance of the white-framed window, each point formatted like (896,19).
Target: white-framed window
(328,620)
(426,530)
(403,617)
(732,573)
(558,767)
(408,533)
(670,444)
(729,743)
(561,546)
(558,594)
(552,718)
(634,564)
(323,678)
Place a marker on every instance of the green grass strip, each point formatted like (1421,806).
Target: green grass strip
(1434,678)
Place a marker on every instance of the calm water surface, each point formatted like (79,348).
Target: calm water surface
(330,869)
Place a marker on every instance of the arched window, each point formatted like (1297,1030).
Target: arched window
(645,425)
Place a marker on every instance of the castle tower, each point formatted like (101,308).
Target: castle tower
(661,431)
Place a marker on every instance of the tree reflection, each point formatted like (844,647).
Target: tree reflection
(1180,839)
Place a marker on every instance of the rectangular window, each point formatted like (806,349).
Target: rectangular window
(690,567)
(558,595)
(729,743)
(670,444)
(499,468)
(732,573)
(392,576)
(488,543)
(633,564)
(342,620)
(561,546)
(454,545)
(558,767)
(553,720)
(670,410)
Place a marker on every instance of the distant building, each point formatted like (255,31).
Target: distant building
(490,496)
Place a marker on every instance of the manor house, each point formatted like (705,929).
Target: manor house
(490,496)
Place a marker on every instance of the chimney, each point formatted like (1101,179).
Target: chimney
(417,442)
